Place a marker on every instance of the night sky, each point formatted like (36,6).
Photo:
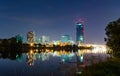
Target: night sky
(57,17)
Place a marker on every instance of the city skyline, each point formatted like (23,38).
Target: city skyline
(56,18)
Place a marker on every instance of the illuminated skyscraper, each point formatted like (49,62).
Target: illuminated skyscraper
(44,39)
(79,31)
(30,37)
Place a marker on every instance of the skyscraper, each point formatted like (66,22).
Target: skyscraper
(45,39)
(30,37)
(79,31)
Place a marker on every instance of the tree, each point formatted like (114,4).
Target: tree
(113,37)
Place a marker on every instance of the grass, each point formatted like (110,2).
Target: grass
(110,67)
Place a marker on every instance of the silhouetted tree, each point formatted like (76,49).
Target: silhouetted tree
(5,42)
(113,37)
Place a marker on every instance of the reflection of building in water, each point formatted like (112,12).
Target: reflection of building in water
(18,57)
(30,58)
(65,56)
(30,37)
(80,56)
(42,56)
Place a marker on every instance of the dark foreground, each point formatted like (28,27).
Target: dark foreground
(111,67)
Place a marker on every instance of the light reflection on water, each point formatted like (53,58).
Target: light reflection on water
(44,63)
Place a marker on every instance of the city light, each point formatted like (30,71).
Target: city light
(79,24)
(31,52)
(31,44)
(99,49)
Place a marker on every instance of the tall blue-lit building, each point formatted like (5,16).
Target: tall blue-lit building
(79,32)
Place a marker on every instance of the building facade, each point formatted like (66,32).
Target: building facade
(79,32)
(30,37)
(44,39)
(65,38)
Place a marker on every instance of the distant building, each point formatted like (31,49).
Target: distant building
(19,38)
(79,32)
(36,40)
(30,37)
(65,38)
(44,39)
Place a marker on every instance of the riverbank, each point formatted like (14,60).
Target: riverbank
(111,67)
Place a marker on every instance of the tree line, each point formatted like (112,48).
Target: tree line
(13,43)
(113,37)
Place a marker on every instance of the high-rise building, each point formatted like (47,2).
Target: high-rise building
(79,31)
(30,37)
(44,39)
(65,38)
